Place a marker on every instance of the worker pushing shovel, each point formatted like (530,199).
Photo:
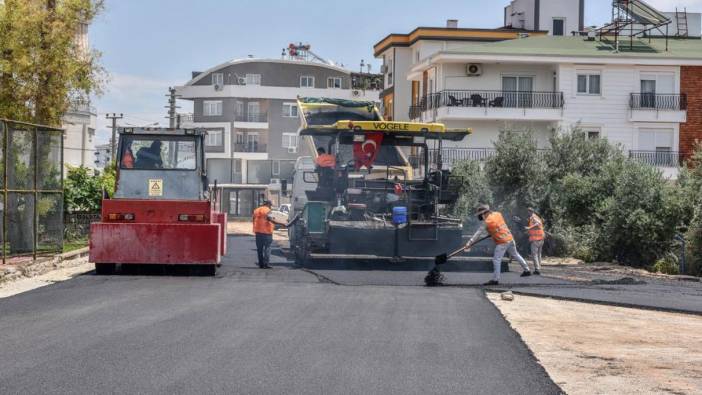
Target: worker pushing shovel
(495,227)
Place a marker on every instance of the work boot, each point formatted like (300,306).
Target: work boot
(266,266)
(537,273)
(526,273)
(491,282)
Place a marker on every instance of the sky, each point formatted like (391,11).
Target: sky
(149,45)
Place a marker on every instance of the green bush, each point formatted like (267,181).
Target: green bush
(597,204)
(83,188)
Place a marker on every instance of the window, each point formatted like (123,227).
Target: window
(212,108)
(657,84)
(390,70)
(589,84)
(558,27)
(254,111)
(239,107)
(290,142)
(417,56)
(592,132)
(218,79)
(214,138)
(253,79)
(275,168)
(171,153)
(334,82)
(290,110)
(306,81)
(517,92)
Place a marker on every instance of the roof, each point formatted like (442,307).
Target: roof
(263,60)
(680,50)
(449,34)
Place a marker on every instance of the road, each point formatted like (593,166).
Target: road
(260,332)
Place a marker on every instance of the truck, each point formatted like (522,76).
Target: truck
(373,204)
(161,212)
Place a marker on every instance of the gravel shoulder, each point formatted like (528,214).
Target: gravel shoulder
(596,349)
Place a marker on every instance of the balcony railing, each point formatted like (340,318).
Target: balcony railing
(658,158)
(81,106)
(253,147)
(415,112)
(491,99)
(654,101)
(252,117)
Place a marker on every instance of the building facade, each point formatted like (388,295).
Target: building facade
(250,111)
(641,96)
(79,123)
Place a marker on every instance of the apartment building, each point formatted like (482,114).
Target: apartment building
(79,123)
(640,93)
(250,111)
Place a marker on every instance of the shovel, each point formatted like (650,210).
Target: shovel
(434,278)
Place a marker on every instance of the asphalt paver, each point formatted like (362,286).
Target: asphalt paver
(249,330)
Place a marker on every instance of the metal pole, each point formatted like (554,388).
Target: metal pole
(113,145)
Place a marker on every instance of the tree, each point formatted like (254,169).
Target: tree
(83,189)
(42,64)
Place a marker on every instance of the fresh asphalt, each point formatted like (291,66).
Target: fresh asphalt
(253,331)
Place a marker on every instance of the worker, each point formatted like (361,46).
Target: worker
(150,157)
(263,225)
(325,160)
(495,226)
(535,227)
(128,156)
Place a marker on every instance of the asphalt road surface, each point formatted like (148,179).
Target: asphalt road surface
(259,332)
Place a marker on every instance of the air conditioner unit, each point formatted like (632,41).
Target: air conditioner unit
(383,69)
(242,81)
(356,93)
(218,87)
(474,70)
(275,181)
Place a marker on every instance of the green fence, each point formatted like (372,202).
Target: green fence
(31,186)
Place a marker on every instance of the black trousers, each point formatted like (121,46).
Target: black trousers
(263,247)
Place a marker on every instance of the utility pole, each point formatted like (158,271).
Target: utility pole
(172,108)
(113,146)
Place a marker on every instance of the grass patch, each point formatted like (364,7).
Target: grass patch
(73,245)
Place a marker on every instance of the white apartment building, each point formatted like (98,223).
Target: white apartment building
(635,96)
(249,108)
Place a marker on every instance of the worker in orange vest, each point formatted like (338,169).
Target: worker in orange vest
(325,160)
(263,226)
(495,226)
(535,227)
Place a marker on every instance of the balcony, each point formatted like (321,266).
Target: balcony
(252,147)
(508,105)
(653,107)
(82,107)
(658,158)
(257,120)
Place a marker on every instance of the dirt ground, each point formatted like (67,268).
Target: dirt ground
(596,349)
(69,270)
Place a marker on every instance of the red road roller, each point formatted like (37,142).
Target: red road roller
(161,212)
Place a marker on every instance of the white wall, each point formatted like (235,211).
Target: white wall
(454,76)
(403,88)
(568,9)
(610,111)
(522,14)
(79,140)
(485,133)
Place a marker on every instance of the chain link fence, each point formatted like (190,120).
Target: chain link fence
(31,189)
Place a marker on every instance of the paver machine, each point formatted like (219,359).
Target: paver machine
(161,212)
(373,204)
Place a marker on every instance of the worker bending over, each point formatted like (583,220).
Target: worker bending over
(263,226)
(537,235)
(495,226)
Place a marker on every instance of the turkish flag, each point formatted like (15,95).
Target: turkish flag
(365,153)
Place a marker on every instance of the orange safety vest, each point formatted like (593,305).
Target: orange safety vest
(497,228)
(326,160)
(536,228)
(261,224)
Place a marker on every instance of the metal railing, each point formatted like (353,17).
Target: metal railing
(658,158)
(415,112)
(654,101)
(250,147)
(81,106)
(252,117)
(492,99)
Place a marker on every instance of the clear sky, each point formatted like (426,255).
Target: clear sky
(149,45)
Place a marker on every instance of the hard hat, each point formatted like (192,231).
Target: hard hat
(482,209)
